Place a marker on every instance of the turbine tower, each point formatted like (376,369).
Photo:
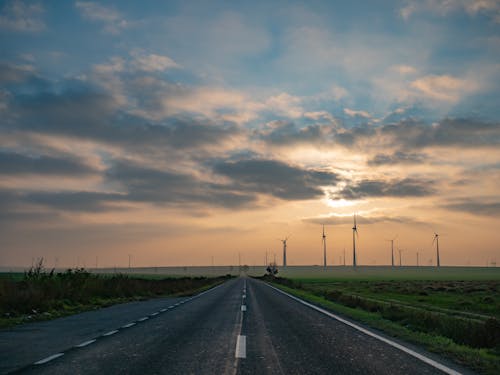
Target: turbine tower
(284,250)
(436,240)
(324,247)
(354,235)
(392,250)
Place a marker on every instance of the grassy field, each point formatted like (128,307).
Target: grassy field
(372,273)
(452,311)
(39,294)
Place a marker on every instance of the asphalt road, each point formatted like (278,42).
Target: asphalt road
(241,327)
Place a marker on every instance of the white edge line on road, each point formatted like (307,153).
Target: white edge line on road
(110,333)
(409,351)
(243,308)
(48,359)
(241,347)
(128,325)
(85,343)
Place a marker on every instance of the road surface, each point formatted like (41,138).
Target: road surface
(243,326)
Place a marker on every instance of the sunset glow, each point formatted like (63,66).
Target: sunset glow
(183,131)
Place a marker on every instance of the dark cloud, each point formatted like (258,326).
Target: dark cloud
(157,186)
(363,220)
(15,164)
(350,136)
(409,134)
(475,206)
(14,209)
(286,132)
(276,178)
(26,204)
(21,77)
(408,187)
(75,201)
(77,113)
(447,133)
(94,115)
(398,157)
(137,183)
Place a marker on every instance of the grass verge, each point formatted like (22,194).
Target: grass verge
(482,360)
(42,295)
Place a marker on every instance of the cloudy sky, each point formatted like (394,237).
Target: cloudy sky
(179,131)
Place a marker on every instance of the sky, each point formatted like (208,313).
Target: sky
(177,132)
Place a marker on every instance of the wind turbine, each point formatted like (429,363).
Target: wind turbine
(354,235)
(392,249)
(324,247)
(284,250)
(436,240)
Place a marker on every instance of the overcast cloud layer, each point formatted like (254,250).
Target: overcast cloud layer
(163,113)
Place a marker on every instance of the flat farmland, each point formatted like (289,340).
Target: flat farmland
(466,291)
(372,273)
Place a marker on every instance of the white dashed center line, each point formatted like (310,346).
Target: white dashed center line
(128,325)
(241,347)
(84,344)
(110,333)
(243,308)
(48,359)
(143,319)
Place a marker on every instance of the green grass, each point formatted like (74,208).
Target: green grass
(11,276)
(438,324)
(385,273)
(478,299)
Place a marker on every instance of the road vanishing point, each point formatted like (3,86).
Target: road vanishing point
(244,326)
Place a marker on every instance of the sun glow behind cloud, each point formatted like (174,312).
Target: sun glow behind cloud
(180,132)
